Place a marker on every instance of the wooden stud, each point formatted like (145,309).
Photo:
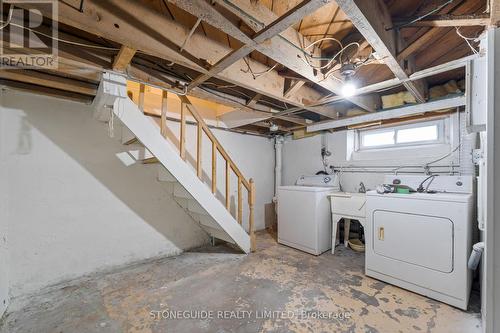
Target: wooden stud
(214,167)
(199,169)
(240,202)
(142,92)
(182,140)
(164,109)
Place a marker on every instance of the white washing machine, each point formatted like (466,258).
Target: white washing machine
(304,218)
(422,241)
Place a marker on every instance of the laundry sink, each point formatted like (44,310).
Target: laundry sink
(347,204)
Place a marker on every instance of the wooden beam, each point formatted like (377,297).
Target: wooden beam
(216,19)
(394,113)
(46,91)
(494,6)
(286,49)
(454,64)
(123,59)
(433,33)
(253,101)
(50,81)
(292,87)
(121,21)
(418,44)
(372,18)
(443,21)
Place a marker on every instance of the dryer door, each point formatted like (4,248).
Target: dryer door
(421,240)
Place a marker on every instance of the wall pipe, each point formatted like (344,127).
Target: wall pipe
(278,149)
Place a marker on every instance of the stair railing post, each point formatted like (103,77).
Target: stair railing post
(182,141)
(163,127)
(251,203)
(240,202)
(228,180)
(214,167)
(199,170)
(142,92)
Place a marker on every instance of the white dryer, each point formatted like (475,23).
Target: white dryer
(422,241)
(304,219)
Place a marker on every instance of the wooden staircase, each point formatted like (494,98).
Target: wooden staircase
(151,145)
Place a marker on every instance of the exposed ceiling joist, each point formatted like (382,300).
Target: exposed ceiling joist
(122,21)
(203,10)
(432,33)
(454,64)
(292,86)
(47,80)
(390,114)
(444,21)
(494,6)
(372,19)
(123,59)
(251,103)
(285,48)
(238,118)
(47,91)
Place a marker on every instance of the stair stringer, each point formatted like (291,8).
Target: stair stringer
(148,134)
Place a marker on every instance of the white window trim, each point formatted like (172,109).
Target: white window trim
(442,125)
(404,154)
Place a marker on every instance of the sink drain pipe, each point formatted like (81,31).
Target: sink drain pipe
(475,256)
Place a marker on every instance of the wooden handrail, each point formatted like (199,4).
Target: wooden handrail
(212,137)
(202,127)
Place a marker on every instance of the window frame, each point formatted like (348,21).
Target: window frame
(441,139)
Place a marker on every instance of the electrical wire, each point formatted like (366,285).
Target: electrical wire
(62,40)
(9,18)
(467,40)
(258,74)
(330,60)
(423,16)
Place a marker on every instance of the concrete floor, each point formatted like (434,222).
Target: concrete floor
(276,289)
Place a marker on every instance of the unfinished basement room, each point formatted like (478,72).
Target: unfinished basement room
(249,166)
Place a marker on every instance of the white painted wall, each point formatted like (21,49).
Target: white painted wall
(4,254)
(74,208)
(302,157)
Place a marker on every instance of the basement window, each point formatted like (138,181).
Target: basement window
(423,133)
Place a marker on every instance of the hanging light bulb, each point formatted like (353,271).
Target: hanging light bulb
(348,89)
(273,127)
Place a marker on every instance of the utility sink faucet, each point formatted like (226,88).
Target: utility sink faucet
(362,188)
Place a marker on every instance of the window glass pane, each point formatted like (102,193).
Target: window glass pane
(426,133)
(378,139)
